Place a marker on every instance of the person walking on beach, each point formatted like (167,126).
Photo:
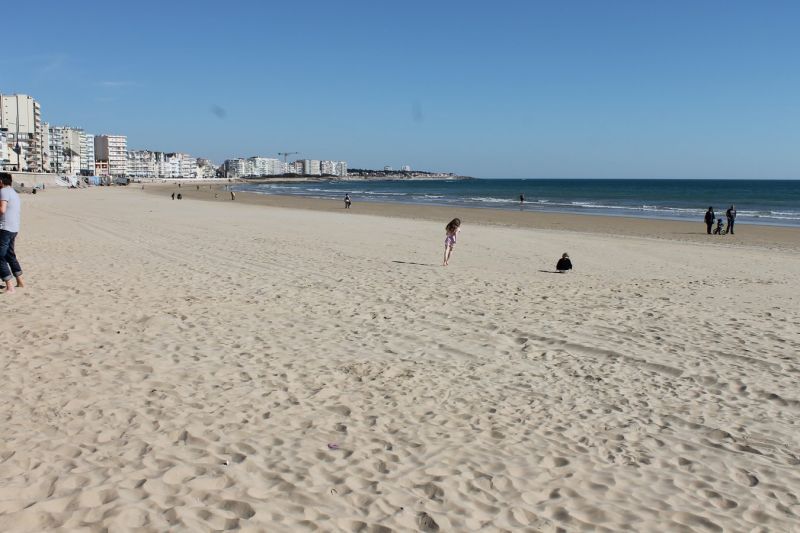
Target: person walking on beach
(233,195)
(710,216)
(347,201)
(521,200)
(9,227)
(451,234)
(730,214)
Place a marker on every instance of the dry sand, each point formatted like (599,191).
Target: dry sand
(185,365)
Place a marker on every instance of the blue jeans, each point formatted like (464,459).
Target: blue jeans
(9,266)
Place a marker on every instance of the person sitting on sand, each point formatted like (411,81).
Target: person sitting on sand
(451,234)
(564,263)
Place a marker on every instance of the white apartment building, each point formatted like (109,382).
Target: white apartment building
(295,167)
(187,165)
(87,154)
(5,152)
(114,150)
(206,169)
(141,164)
(21,116)
(238,168)
(333,168)
(65,150)
(327,167)
(266,166)
(311,167)
(406,168)
(166,167)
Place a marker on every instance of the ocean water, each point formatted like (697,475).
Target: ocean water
(770,202)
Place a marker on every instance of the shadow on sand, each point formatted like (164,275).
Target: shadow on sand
(413,263)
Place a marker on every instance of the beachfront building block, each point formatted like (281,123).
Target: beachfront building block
(141,164)
(114,150)
(20,116)
(333,168)
(87,153)
(267,166)
(146,164)
(311,167)
(236,168)
(264,166)
(327,167)
(5,151)
(70,151)
(206,168)
(295,168)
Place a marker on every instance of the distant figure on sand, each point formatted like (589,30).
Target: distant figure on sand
(718,229)
(233,195)
(173,196)
(451,234)
(564,263)
(180,197)
(710,216)
(730,214)
(9,227)
(347,201)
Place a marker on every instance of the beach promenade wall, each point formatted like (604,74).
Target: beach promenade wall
(32,179)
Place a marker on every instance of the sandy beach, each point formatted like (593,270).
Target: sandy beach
(279,364)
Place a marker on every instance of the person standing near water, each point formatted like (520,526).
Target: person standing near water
(709,219)
(9,227)
(730,214)
(521,200)
(347,201)
(451,234)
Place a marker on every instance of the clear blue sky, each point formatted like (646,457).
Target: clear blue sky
(627,89)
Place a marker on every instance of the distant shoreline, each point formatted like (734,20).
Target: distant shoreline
(291,178)
(762,236)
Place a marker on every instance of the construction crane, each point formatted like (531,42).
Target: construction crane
(286,155)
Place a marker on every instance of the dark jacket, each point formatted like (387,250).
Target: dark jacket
(710,217)
(564,264)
